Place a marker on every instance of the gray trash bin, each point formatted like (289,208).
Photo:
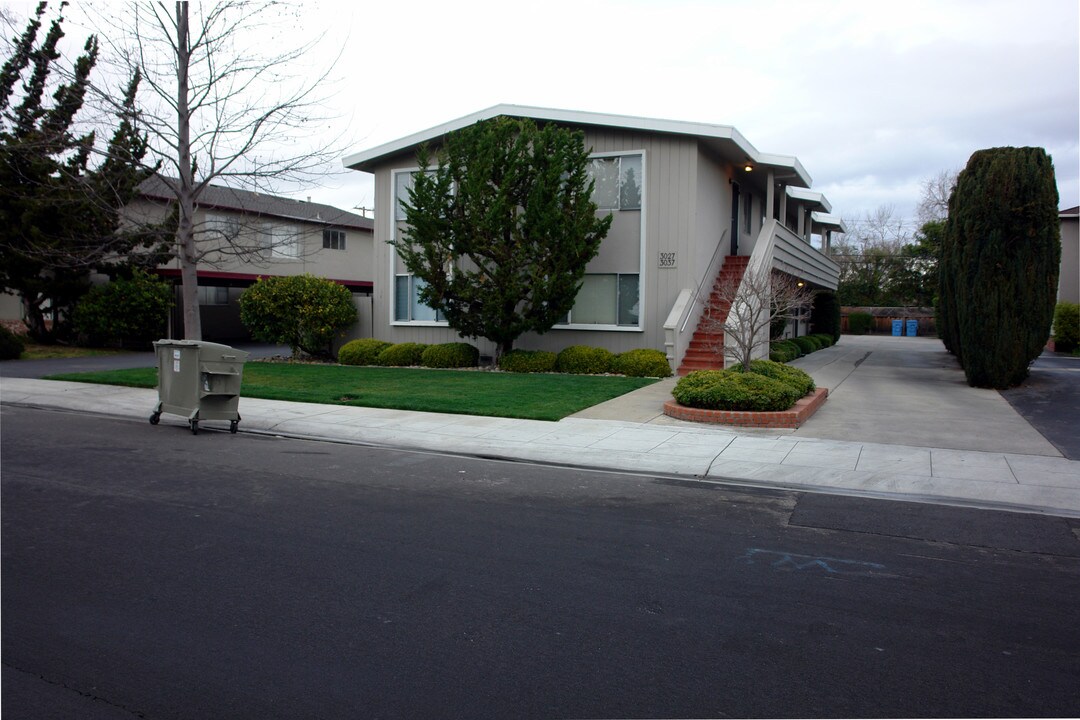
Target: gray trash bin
(199,380)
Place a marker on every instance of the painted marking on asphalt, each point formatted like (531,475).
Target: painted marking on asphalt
(793,561)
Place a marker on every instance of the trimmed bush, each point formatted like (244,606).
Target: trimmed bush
(800,380)
(131,311)
(528,361)
(643,362)
(806,344)
(402,355)
(585,360)
(361,352)
(824,339)
(729,390)
(302,311)
(11,345)
(859,323)
(784,351)
(1066,327)
(450,355)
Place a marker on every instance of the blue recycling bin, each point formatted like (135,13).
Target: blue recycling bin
(912,328)
(897,328)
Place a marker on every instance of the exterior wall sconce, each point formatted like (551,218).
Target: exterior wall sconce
(748,167)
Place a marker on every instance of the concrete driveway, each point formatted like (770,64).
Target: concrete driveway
(910,391)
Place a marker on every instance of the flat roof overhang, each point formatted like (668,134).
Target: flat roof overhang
(722,139)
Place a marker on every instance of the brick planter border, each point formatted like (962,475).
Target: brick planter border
(799,413)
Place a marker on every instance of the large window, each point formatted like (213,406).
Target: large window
(407,305)
(617,182)
(222,227)
(281,241)
(607,299)
(333,239)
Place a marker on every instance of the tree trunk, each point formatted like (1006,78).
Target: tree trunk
(185,232)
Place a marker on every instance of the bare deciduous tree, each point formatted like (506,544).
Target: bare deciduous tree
(743,311)
(229,100)
(934,204)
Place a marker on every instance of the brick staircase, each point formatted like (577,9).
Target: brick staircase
(701,354)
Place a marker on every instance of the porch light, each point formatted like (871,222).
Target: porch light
(748,167)
(801,283)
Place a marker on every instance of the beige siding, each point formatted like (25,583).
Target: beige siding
(686,208)
(1069,277)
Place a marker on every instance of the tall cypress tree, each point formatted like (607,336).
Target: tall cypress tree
(1003,248)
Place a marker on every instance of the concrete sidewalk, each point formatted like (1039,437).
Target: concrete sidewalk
(631,434)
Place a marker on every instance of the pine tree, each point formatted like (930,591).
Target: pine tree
(1003,247)
(58,211)
(502,229)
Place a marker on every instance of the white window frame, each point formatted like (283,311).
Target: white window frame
(643,269)
(280,250)
(334,234)
(394,275)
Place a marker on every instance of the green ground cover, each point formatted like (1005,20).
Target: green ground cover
(34,351)
(533,397)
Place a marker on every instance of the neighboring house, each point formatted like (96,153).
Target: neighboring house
(268,236)
(1069,277)
(685,197)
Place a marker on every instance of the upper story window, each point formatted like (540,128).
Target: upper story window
(333,239)
(617,182)
(222,227)
(281,241)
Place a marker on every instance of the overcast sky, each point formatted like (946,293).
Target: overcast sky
(873,97)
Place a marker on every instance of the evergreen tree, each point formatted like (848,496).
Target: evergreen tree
(502,229)
(58,209)
(1003,247)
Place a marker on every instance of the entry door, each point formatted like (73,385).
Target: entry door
(734,218)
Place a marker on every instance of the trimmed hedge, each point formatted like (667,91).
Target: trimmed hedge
(585,360)
(643,362)
(784,351)
(361,352)
(730,390)
(825,315)
(528,361)
(11,345)
(860,323)
(450,355)
(405,354)
(806,344)
(798,379)
(1066,327)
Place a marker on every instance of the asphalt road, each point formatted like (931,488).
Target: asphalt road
(151,573)
(1050,400)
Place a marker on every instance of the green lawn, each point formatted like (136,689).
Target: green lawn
(34,351)
(534,397)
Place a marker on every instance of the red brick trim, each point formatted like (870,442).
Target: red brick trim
(799,413)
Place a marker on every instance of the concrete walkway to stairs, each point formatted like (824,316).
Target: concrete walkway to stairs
(900,423)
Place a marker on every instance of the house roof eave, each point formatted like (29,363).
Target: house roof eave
(366,160)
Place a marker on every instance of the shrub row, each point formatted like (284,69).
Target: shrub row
(859,323)
(769,386)
(1066,327)
(787,350)
(576,359)
(369,351)
(586,360)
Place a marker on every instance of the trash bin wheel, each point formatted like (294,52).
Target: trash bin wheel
(155,418)
(194,427)
(232,426)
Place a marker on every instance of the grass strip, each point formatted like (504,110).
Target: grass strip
(494,394)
